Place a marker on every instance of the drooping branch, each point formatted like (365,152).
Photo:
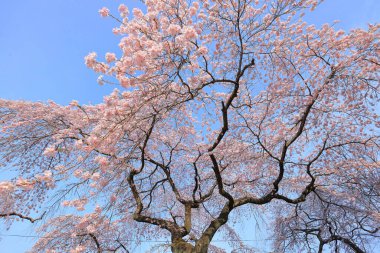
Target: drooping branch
(95,239)
(348,242)
(21,216)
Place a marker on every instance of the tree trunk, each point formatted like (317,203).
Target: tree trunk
(181,246)
(202,245)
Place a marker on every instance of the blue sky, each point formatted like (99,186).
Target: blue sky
(43,43)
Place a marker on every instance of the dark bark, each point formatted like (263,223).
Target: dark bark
(181,246)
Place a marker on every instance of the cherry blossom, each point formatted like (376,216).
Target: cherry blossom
(221,109)
(104,12)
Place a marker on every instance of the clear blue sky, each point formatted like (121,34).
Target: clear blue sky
(43,43)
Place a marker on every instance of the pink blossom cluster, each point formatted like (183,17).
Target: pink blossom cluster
(104,12)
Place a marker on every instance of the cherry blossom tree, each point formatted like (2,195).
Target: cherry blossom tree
(222,108)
